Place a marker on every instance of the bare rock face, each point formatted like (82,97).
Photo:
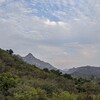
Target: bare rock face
(30,59)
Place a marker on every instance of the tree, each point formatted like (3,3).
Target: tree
(46,70)
(10,51)
(68,76)
(57,72)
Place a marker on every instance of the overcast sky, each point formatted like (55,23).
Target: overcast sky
(65,33)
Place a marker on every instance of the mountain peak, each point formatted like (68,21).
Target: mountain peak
(30,54)
(34,61)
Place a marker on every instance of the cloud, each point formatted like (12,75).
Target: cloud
(53,23)
(1,1)
(66,37)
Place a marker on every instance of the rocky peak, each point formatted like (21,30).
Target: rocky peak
(29,56)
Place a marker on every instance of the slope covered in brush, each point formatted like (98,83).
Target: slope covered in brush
(21,81)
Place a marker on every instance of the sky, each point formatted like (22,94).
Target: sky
(65,33)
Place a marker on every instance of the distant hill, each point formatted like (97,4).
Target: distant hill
(85,71)
(30,59)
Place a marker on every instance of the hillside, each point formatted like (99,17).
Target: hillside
(30,59)
(22,81)
(85,71)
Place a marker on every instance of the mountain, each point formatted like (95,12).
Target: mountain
(22,81)
(85,71)
(71,70)
(30,59)
(64,70)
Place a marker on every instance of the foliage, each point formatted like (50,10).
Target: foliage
(21,81)
(10,51)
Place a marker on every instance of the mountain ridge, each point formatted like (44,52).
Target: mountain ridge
(85,71)
(30,59)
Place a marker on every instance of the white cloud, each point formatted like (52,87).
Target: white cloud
(53,23)
(70,41)
(1,1)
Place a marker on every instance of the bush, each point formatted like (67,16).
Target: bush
(29,93)
(67,96)
(85,97)
(7,81)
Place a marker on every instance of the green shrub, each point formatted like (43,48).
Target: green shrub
(67,96)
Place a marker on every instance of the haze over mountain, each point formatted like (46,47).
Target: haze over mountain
(30,59)
(62,32)
(85,71)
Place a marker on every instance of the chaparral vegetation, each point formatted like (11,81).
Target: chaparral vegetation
(22,81)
